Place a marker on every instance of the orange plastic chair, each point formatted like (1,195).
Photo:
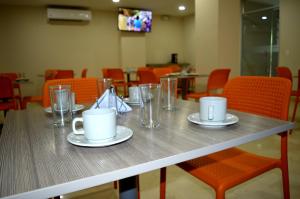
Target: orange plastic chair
(84,73)
(228,168)
(85,89)
(7,97)
(283,71)
(147,76)
(160,72)
(117,75)
(216,80)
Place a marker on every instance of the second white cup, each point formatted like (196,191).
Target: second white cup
(213,109)
(134,95)
(98,124)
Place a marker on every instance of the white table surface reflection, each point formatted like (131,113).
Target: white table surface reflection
(36,161)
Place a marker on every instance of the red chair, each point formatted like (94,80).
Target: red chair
(16,85)
(228,168)
(117,75)
(64,74)
(285,72)
(7,97)
(216,80)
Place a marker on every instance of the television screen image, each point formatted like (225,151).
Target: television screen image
(134,20)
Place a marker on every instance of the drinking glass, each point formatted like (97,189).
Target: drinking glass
(169,92)
(61,104)
(104,84)
(150,105)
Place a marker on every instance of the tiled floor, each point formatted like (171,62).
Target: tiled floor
(181,185)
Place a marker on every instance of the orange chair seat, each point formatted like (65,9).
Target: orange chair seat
(229,167)
(216,80)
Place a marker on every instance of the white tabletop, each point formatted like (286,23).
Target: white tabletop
(36,161)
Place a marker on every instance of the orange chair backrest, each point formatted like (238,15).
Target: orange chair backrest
(64,74)
(6,87)
(217,79)
(115,74)
(84,72)
(257,95)
(160,72)
(147,76)
(85,89)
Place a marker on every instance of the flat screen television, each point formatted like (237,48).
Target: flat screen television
(134,20)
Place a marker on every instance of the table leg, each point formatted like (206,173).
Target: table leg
(128,188)
(128,77)
(185,87)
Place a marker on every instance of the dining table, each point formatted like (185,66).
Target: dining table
(37,161)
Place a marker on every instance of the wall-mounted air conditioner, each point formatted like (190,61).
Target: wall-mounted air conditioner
(69,14)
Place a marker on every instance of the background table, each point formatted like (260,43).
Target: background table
(36,160)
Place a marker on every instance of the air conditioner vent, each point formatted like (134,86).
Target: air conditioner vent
(69,14)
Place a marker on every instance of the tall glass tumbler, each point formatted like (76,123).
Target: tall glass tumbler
(169,92)
(150,105)
(61,104)
(104,84)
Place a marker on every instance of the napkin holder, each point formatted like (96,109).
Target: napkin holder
(109,99)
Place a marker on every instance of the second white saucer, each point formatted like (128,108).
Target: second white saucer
(230,119)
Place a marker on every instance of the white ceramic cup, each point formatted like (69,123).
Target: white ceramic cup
(134,95)
(98,124)
(213,109)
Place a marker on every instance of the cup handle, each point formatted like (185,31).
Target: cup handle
(210,112)
(75,131)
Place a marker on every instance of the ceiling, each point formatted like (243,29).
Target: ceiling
(159,7)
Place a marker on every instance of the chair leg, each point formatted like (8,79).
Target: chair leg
(295,108)
(285,182)
(220,195)
(115,184)
(138,186)
(163,176)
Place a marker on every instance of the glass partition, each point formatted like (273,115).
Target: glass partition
(260,37)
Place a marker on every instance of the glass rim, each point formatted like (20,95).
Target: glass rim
(150,85)
(60,86)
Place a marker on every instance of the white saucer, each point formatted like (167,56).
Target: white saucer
(230,119)
(127,101)
(123,134)
(76,108)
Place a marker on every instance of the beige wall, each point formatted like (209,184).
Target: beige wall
(166,38)
(30,44)
(189,40)
(217,35)
(289,46)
